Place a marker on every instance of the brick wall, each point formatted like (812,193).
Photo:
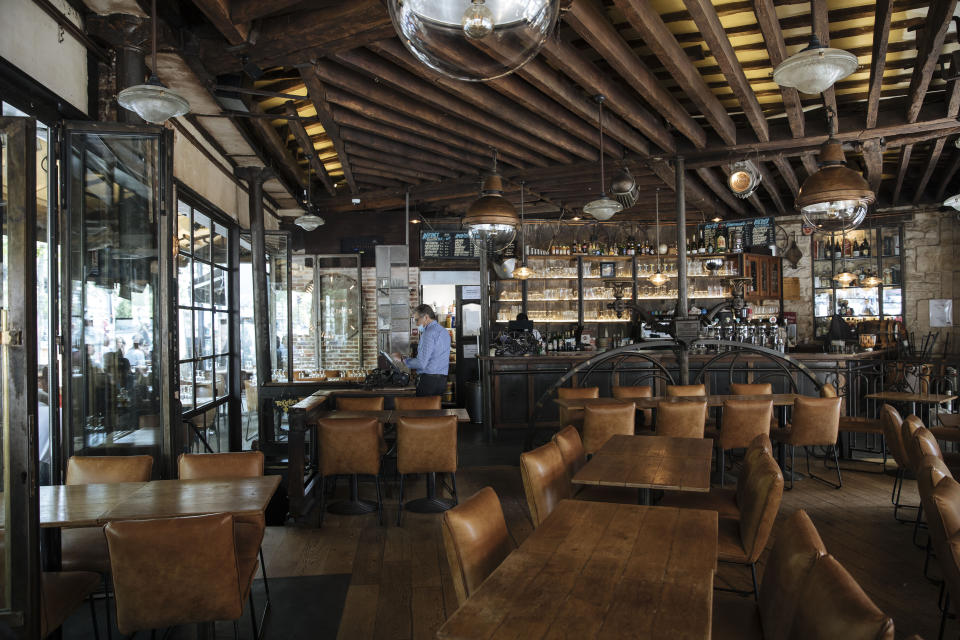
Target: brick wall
(369,288)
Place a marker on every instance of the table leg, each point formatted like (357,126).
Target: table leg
(645,497)
(431,503)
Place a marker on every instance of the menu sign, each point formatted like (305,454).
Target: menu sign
(758,234)
(447,245)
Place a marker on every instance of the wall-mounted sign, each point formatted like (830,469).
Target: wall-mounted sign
(755,235)
(447,245)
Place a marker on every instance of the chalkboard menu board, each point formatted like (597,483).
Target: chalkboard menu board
(447,245)
(757,233)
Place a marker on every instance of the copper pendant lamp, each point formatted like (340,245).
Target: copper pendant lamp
(491,220)
(835,198)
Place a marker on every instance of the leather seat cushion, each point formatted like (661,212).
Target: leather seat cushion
(729,546)
(85,550)
(735,618)
(721,500)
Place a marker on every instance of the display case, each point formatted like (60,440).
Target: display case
(873,252)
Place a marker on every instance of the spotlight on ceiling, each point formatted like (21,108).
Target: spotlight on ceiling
(744,178)
(953,201)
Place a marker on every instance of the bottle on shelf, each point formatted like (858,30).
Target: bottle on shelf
(856,248)
(847,248)
(865,248)
(837,248)
(721,242)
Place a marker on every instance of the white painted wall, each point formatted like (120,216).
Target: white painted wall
(30,40)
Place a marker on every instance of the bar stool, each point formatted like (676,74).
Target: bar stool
(575,416)
(348,403)
(815,423)
(427,445)
(632,392)
(741,422)
(681,419)
(417,403)
(601,422)
(350,446)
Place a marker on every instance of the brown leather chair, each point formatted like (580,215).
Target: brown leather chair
(108,469)
(601,422)
(815,423)
(427,445)
(930,473)
(685,419)
(417,403)
(476,541)
(751,389)
(674,390)
(741,541)
(946,502)
(571,449)
(350,403)
(832,605)
(61,592)
(741,422)
(575,416)
(636,391)
(178,581)
(892,425)
(545,480)
(350,446)
(907,429)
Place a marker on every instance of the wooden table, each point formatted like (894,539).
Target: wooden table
(392,416)
(717,400)
(595,569)
(934,399)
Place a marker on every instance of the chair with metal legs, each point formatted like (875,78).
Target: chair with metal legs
(815,423)
(740,423)
(427,445)
(352,447)
(892,424)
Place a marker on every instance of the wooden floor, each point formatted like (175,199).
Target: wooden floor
(400,586)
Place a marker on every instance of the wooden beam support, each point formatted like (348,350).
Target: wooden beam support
(719,187)
(873,158)
(929,47)
(588,20)
(247,10)
(777,52)
(277,150)
(821,28)
(948,176)
(770,186)
(878,59)
(786,172)
(317,92)
(905,152)
(934,156)
(300,134)
(218,13)
(384,172)
(360,151)
(644,18)
(405,151)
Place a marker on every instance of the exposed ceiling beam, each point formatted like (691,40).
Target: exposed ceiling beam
(769,25)
(904,163)
(317,92)
(370,168)
(300,134)
(787,173)
(948,176)
(929,45)
(399,149)
(645,19)
(719,187)
(878,59)
(770,186)
(873,158)
(953,108)
(218,13)
(361,151)
(247,10)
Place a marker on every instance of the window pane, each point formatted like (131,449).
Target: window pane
(186,385)
(222,333)
(201,236)
(201,284)
(184,280)
(204,381)
(183,227)
(220,288)
(204,332)
(186,334)
(220,253)
(222,376)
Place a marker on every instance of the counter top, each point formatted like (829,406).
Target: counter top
(579,356)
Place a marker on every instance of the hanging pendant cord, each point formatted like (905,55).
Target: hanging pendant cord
(153,29)
(658,229)
(603,180)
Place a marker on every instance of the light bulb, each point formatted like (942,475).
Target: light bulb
(477,20)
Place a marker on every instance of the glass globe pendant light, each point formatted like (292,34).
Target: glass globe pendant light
(474,40)
(152,101)
(844,277)
(658,278)
(603,208)
(815,69)
(835,198)
(491,220)
(523,271)
(309,221)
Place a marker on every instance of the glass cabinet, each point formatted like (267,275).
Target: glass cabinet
(858,275)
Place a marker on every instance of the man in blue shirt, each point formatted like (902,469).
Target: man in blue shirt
(433,353)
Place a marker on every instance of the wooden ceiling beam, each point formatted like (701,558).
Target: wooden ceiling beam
(587,19)
(317,92)
(770,186)
(645,19)
(936,148)
(338,76)
(786,172)
(948,176)
(383,172)
(218,13)
(409,172)
(929,46)
(361,151)
(246,10)
(878,58)
(397,149)
(821,28)
(277,150)
(306,144)
(534,118)
(766,14)
(873,158)
(377,181)
(904,163)
(719,187)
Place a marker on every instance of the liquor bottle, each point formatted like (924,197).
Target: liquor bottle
(701,245)
(710,248)
(837,248)
(865,248)
(856,249)
(721,242)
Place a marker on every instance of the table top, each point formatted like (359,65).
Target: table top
(717,400)
(909,396)
(96,504)
(392,416)
(596,569)
(950,419)
(650,462)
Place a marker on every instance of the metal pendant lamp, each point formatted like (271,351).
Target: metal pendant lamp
(523,271)
(491,220)
(602,208)
(815,69)
(835,198)
(658,278)
(152,101)
(309,221)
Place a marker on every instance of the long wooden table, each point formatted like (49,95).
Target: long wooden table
(717,400)
(935,399)
(650,462)
(596,569)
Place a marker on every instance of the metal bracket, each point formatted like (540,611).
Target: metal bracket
(11,338)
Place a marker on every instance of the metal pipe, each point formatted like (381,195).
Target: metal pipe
(683,303)
(484,366)
(406,210)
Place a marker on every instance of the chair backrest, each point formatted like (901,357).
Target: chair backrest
(759,446)
(349,445)
(926,443)
(930,472)
(571,449)
(828,391)
(815,421)
(751,389)
(251,394)
(796,548)
(685,419)
(626,393)
(475,539)
(759,490)
(426,445)
(946,500)
(173,584)
(570,393)
(104,469)
(832,605)
(417,403)
(907,429)
(208,466)
(349,403)
(686,390)
(744,420)
(892,425)
(545,480)
(601,422)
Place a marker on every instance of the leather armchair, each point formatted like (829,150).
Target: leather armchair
(636,391)
(816,422)
(575,416)
(686,419)
(427,445)
(417,403)
(350,403)
(907,429)
(475,539)
(350,446)
(601,422)
(545,480)
(741,422)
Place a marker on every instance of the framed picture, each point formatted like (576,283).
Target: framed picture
(608,269)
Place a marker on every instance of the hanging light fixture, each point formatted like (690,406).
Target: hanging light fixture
(474,40)
(624,188)
(953,201)
(744,178)
(491,220)
(844,277)
(835,198)
(658,278)
(815,69)
(870,281)
(152,101)
(523,271)
(309,221)
(602,208)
